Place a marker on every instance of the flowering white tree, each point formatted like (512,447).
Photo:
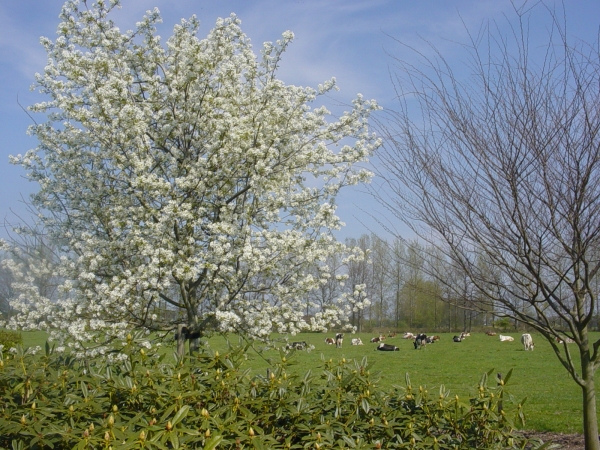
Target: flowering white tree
(184,175)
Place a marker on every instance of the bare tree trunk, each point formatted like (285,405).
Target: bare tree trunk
(590,419)
(181,338)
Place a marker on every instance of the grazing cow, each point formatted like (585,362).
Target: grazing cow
(527,341)
(490,333)
(387,347)
(457,339)
(506,338)
(297,345)
(357,341)
(329,341)
(408,335)
(339,339)
(420,341)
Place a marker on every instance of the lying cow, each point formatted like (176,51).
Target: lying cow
(490,333)
(357,341)
(408,335)
(297,345)
(566,339)
(527,341)
(457,339)
(435,338)
(387,347)
(329,341)
(378,339)
(506,338)
(339,339)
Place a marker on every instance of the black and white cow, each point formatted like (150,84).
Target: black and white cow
(357,341)
(339,339)
(387,347)
(457,339)
(420,341)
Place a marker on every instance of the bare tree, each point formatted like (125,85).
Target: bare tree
(503,166)
(380,289)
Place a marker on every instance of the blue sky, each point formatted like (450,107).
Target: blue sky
(348,39)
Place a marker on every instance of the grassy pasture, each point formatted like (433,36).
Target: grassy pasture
(553,398)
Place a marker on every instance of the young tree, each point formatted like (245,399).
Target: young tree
(184,174)
(504,165)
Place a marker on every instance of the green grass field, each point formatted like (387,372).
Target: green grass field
(553,398)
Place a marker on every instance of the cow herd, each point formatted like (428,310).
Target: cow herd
(420,341)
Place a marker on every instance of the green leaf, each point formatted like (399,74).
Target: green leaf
(174,438)
(483,380)
(167,413)
(365,405)
(84,389)
(213,442)
(180,414)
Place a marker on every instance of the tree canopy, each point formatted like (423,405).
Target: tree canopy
(183,181)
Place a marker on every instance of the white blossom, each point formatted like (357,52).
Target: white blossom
(183,174)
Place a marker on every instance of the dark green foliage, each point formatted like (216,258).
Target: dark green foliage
(210,401)
(10,339)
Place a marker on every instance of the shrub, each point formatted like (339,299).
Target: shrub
(9,339)
(140,401)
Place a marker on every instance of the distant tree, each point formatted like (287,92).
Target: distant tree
(184,175)
(7,292)
(380,286)
(360,274)
(504,166)
(413,283)
(27,270)
(397,278)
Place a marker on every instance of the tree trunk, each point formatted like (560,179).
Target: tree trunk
(590,420)
(181,338)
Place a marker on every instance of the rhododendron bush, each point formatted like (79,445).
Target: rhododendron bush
(184,176)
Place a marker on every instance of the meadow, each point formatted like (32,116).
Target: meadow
(553,399)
